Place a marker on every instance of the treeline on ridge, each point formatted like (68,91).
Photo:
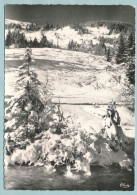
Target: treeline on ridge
(19,40)
(114,27)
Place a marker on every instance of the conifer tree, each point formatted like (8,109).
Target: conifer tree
(131,70)
(8,40)
(130,58)
(130,45)
(25,107)
(35,43)
(120,50)
(43,41)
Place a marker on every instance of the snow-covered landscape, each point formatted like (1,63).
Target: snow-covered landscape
(65,34)
(76,78)
(77,81)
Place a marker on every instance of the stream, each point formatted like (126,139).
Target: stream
(37,178)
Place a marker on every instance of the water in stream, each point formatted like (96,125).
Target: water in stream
(37,178)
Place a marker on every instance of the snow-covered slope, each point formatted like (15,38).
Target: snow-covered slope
(76,78)
(66,34)
(63,35)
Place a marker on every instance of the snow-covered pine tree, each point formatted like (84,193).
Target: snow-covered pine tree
(129,47)
(131,43)
(131,70)
(25,107)
(130,57)
(120,50)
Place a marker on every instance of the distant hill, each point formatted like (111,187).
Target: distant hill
(80,36)
(13,23)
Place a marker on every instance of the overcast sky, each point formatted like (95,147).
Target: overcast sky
(59,14)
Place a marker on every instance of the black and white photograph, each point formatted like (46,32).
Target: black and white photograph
(69,97)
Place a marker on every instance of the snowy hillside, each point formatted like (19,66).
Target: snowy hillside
(64,35)
(76,78)
(67,34)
